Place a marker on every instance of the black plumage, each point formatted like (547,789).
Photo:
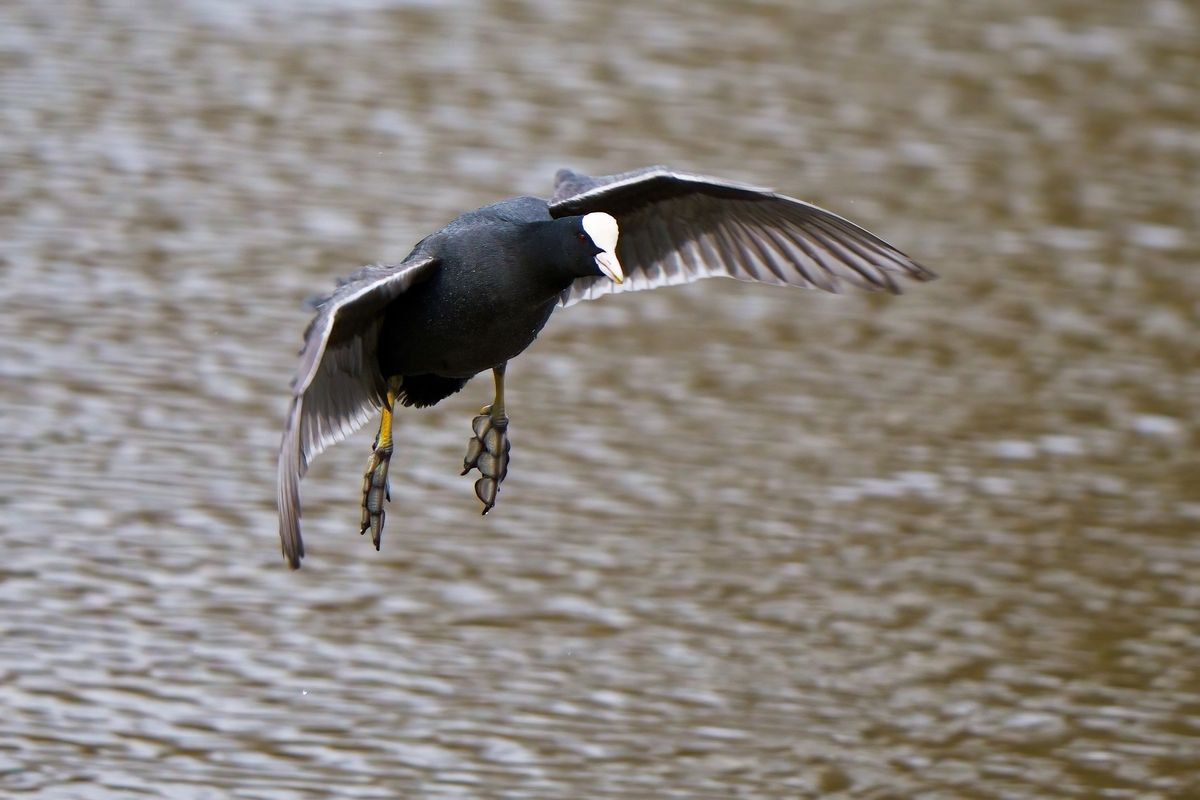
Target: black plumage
(476,293)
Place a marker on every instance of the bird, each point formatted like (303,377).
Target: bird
(475,294)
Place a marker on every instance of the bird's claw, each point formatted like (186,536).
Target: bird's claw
(488,452)
(375,491)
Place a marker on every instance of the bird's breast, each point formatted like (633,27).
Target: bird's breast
(459,328)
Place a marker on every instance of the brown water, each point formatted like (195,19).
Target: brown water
(755,543)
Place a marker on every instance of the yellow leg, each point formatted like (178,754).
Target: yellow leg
(375,480)
(496,409)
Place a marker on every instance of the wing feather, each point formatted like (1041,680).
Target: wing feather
(679,227)
(337,386)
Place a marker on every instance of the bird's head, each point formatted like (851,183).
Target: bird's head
(598,234)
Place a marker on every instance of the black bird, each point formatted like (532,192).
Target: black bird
(476,293)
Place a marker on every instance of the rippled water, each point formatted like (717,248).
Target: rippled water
(755,542)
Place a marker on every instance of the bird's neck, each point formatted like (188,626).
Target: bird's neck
(548,244)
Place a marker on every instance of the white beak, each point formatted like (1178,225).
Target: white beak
(607,262)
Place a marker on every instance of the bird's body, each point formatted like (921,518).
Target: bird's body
(476,294)
(476,312)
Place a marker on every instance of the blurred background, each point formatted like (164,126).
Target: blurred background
(755,543)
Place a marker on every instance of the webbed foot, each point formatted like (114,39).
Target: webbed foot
(375,492)
(488,452)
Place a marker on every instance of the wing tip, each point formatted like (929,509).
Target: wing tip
(889,284)
(922,273)
(292,560)
(291,543)
(912,270)
(287,491)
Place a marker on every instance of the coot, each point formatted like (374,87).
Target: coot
(476,293)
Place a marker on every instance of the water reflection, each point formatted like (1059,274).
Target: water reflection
(940,545)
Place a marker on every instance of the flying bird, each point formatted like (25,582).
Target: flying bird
(474,295)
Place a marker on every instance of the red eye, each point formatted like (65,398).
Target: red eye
(582,237)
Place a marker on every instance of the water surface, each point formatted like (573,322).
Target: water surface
(754,543)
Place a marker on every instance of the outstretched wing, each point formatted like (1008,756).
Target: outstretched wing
(337,385)
(677,227)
